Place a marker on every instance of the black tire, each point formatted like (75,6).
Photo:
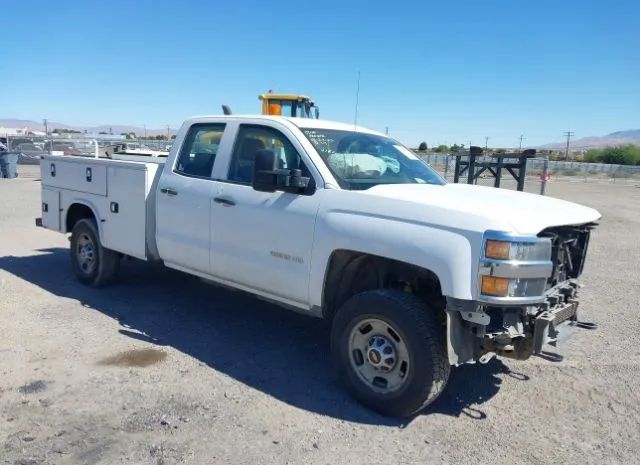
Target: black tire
(105,261)
(423,333)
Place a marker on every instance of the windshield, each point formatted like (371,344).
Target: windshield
(360,161)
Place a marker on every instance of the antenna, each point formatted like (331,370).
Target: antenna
(355,118)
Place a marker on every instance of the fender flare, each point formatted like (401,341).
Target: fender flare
(90,206)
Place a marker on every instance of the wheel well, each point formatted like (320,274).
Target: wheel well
(350,273)
(77,212)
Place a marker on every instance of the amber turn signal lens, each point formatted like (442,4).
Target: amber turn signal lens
(498,287)
(498,250)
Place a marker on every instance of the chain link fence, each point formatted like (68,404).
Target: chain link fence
(541,171)
(31,148)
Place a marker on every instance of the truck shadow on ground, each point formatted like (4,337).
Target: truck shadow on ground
(281,353)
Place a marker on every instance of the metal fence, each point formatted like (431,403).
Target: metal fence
(541,171)
(31,148)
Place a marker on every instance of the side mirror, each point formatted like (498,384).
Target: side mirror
(266,178)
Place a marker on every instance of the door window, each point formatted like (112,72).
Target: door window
(250,139)
(198,153)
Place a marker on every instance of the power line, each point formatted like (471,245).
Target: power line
(568,135)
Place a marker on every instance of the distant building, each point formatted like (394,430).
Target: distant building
(14,131)
(101,136)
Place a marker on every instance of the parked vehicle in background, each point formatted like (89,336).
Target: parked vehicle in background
(292,105)
(343,223)
(29,153)
(67,148)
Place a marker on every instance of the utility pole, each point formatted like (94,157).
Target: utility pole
(46,127)
(145,131)
(168,137)
(486,143)
(520,146)
(568,135)
(386,130)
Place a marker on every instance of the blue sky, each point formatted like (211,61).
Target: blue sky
(442,72)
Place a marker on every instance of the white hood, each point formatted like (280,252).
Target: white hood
(526,213)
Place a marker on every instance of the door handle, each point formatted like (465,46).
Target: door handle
(224,201)
(169,191)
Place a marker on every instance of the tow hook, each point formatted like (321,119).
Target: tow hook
(586,325)
(486,357)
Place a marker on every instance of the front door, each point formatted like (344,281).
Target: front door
(263,240)
(184,200)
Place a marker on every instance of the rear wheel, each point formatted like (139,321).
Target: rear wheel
(390,348)
(93,264)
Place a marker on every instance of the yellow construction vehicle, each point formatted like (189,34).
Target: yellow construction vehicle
(299,106)
(295,105)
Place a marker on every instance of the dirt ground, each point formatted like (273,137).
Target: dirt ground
(161,368)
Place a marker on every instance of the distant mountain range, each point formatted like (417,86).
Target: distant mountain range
(115,128)
(631,136)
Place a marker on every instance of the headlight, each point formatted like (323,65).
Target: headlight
(540,250)
(512,287)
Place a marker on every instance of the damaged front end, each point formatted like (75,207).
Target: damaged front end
(527,295)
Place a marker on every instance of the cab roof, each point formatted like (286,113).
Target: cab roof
(283,96)
(301,123)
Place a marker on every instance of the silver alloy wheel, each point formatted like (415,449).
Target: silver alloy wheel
(86,254)
(379,355)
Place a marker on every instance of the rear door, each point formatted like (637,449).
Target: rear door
(263,240)
(184,196)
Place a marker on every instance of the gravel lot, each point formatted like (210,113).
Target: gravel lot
(161,368)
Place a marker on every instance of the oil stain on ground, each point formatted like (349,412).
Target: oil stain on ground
(135,358)
(31,388)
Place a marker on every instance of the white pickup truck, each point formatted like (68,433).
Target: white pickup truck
(343,223)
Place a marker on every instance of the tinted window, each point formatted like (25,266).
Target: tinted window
(253,138)
(199,150)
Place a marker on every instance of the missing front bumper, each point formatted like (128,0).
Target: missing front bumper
(475,330)
(549,326)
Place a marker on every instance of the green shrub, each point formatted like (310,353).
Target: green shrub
(618,155)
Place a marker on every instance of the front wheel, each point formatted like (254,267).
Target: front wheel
(93,264)
(390,348)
